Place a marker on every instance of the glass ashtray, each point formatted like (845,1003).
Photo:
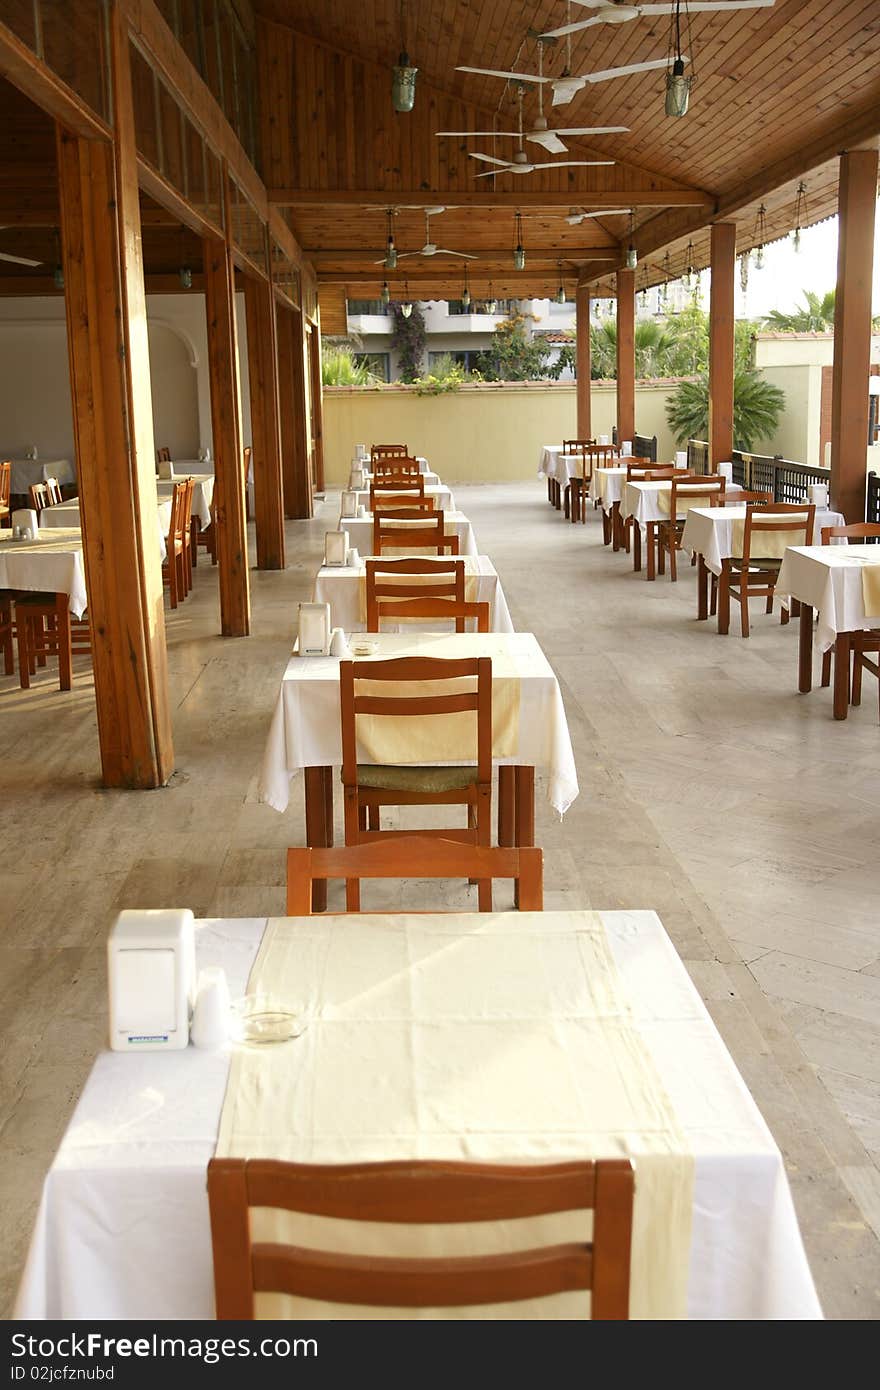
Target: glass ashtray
(257,1019)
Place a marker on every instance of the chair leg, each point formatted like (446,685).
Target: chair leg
(744,608)
(673,545)
(856,690)
(826,668)
(24,658)
(374,821)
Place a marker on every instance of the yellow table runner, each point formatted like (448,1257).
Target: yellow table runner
(686,500)
(767,545)
(871,590)
(442,738)
(499,1038)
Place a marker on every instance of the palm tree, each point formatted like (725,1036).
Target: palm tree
(652,340)
(757,407)
(816,316)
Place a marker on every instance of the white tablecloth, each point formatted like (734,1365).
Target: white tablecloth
(442,495)
(708,531)
(51,564)
(123,1228)
(344,587)
(606,486)
(642,500)
(555,464)
(305,728)
(360,531)
(67,514)
(203,493)
(27,471)
(829,579)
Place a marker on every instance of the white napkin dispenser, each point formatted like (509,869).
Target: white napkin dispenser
(166,469)
(817,493)
(357,480)
(151,966)
(681,458)
(27,520)
(336,548)
(314,629)
(725,470)
(349,504)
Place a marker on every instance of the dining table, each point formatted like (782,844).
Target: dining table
(647,504)
(503,1037)
(66,514)
(360,531)
(51,563)
(441,494)
(709,533)
(344,587)
(829,583)
(203,493)
(305,730)
(27,471)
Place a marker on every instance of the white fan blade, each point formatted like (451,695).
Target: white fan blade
(549,141)
(565,89)
(606,74)
(571,163)
(705,6)
(492,173)
(465,255)
(18,260)
(589,130)
(511,76)
(488,158)
(571,28)
(405,256)
(463,133)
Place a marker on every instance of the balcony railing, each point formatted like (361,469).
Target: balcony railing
(784,480)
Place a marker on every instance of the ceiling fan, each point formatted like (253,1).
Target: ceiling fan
(521,164)
(430,247)
(17,260)
(617,12)
(566,88)
(577,215)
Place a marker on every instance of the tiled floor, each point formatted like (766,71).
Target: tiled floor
(710,791)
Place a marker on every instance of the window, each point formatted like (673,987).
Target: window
(367,306)
(379,363)
(465,357)
(478,306)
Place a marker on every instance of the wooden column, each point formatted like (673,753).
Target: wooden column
(259,299)
(626,354)
(295,441)
(113,431)
(856,201)
(721,343)
(584,400)
(232,556)
(316,396)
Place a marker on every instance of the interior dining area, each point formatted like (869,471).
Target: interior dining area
(437,886)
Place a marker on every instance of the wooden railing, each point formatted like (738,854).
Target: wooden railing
(643,446)
(872,511)
(785,480)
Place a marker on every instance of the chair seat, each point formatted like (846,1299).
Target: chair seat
(415,779)
(757,563)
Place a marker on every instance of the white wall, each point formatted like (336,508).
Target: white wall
(35,382)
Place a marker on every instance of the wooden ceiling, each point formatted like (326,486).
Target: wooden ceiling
(778,93)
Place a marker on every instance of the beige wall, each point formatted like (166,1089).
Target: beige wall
(797,435)
(488,432)
(801,349)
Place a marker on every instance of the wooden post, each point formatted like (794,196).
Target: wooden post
(232,554)
(113,429)
(626,355)
(584,402)
(259,299)
(856,202)
(316,395)
(721,343)
(294,414)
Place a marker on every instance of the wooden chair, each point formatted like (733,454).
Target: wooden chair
(388,451)
(174,567)
(413,1193)
(570,448)
(413,486)
(398,466)
(735,499)
(414,858)
(384,500)
(576,489)
(865,643)
(7,630)
(38,494)
(640,470)
(445,610)
(368,787)
(429,534)
(753,575)
(5,491)
(44,628)
(684,494)
(411,578)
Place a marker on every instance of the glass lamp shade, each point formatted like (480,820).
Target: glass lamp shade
(519,259)
(58,278)
(560,295)
(466,300)
(186,277)
(491,306)
(678,90)
(385,295)
(759,258)
(632,258)
(796,239)
(403,85)
(406,310)
(391,256)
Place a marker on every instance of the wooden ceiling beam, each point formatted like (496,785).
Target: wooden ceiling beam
(422,197)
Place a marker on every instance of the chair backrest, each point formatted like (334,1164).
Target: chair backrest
(414,857)
(39,495)
(54,489)
(749,498)
(397,466)
(393,501)
(163,454)
(411,578)
(387,451)
(445,610)
(696,492)
(421,1193)
(186,511)
(415,483)
(641,472)
(400,704)
(776,525)
(429,534)
(576,446)
(5,482)
(857,530)
(246,463)
(178,511)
